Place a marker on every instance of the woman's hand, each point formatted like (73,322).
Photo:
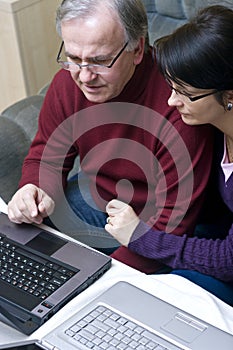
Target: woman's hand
(121,221)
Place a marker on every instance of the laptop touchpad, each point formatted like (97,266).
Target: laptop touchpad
(46,243)
(184,327)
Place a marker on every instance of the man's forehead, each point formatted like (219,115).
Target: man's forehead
(92,34)
(102,15)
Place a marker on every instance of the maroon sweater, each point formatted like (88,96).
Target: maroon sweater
(136,137)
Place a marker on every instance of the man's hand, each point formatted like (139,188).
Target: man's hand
(30,204)
(121,222)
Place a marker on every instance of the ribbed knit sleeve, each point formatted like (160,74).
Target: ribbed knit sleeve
(208,256)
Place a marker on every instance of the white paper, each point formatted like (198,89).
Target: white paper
(3,206)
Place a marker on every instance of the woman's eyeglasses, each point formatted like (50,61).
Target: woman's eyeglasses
(190,97)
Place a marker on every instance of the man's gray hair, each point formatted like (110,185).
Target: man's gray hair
(130,13)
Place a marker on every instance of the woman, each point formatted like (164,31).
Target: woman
(197,63)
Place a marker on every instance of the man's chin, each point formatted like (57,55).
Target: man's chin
(96,98)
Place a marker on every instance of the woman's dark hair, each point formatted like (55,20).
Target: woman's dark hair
(200,52)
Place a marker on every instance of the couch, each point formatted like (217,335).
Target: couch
(18,122)
(166,15)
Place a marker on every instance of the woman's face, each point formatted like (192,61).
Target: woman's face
(204,109)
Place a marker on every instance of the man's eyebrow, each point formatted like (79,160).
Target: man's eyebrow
(67,54)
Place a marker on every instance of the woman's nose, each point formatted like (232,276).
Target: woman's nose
(174,99)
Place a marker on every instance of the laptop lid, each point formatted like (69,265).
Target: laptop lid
(40,272)
(137,312)
(127,314)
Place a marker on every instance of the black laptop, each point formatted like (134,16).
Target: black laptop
(40,272)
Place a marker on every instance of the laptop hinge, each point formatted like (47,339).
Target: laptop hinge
(47,346)
(27,326)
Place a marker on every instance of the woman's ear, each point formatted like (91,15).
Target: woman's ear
(228,100)
(139,51)
(229,95)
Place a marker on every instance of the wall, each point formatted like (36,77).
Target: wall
(29,44)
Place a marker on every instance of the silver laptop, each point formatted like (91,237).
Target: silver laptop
(126,317)
(40,272)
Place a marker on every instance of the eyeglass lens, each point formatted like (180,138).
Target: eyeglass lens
(95,68)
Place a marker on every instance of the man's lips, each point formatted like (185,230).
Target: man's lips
(92,88)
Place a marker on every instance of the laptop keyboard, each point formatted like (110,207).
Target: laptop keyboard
(104,329)
(37,275)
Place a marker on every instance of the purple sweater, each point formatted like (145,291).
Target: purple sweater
(209,256)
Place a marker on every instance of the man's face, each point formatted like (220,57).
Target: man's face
(99,38)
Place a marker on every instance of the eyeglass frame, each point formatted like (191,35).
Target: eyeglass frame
(89,64)
(195,98)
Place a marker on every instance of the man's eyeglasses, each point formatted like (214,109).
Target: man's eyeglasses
(98,66)
(192,98)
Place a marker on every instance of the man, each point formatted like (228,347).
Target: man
(109,107)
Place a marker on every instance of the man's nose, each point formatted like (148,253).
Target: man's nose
(86,74)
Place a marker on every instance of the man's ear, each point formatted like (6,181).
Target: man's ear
(139,51)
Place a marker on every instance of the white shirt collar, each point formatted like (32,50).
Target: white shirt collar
(227,168)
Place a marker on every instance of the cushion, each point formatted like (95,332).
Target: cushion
(170,8)
(14,147)
(25,113)
(191,7)
(149,5)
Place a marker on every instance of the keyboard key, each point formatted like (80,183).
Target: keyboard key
(109,334)
(30,272)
